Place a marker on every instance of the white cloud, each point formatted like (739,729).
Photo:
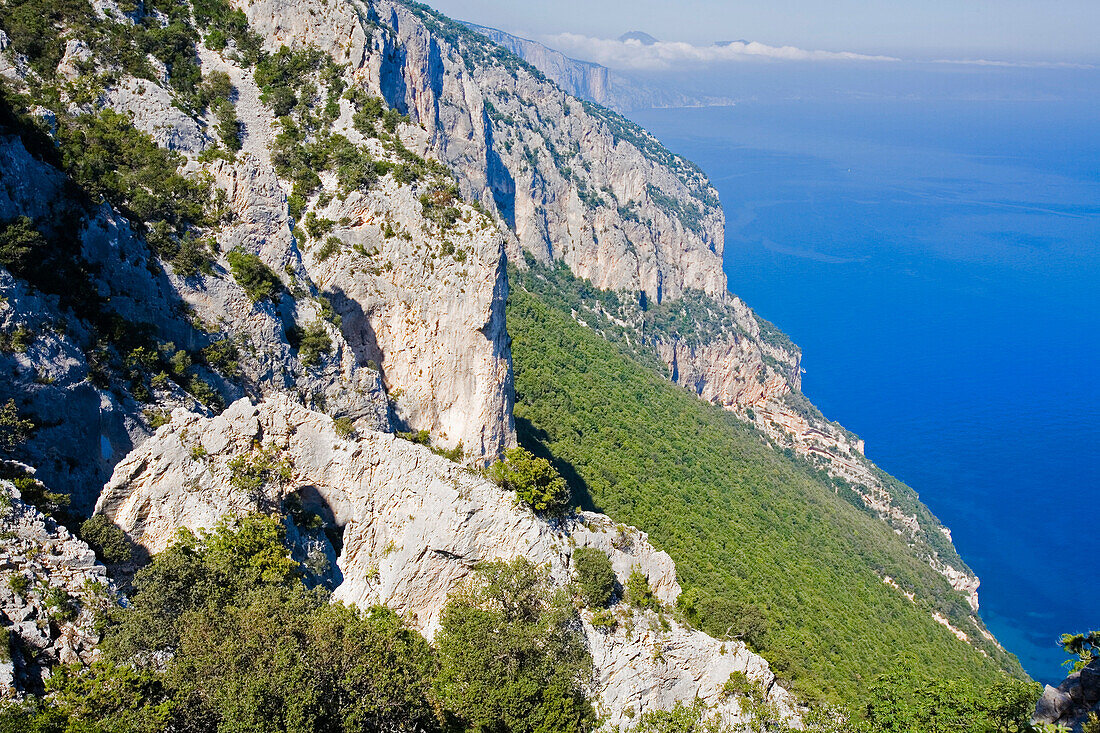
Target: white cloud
(632,54)
(1015,64)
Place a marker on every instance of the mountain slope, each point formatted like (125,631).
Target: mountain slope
(308,204)
(742,521)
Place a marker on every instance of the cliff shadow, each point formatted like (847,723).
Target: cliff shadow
(500,180)
(362,340)
(535,440)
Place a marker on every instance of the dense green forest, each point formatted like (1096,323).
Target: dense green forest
(760,542)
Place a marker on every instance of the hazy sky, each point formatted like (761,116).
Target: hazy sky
(1048,30)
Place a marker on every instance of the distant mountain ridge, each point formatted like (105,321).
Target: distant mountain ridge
(591,81)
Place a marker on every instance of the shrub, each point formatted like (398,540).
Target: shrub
(14,430)
(220,627)
(60,606)
(595,576)
(311,342)
(192,257)
(107,156)
(202,391)
(725,618)
(533,479)
(19,584)
(328,249)
(318,226)
(344,427)
(254,471)
(258,280)
(157,418)
(328,312)
(19,243)
(107,539)
(223,356)
(511,657)
(18,341)
(604,619)
(638,592)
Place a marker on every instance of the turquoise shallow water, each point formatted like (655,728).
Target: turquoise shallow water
(939,263)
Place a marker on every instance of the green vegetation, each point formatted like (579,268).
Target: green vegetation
(909,701)
(1085,647)
(725,618)
(439,205)
(109,158)
(638,592)
(108,540)
(511,658)
(344,427)
(312,342)
(258,280)
(217,93)
(742,521)
(19,243)
(19,584)
(534,480)
(222,633)
(595,577)
(14,429)
(35,28)
(695,318)
(264,466)
(690,216)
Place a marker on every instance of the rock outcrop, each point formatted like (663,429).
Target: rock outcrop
(1073,701)
(413,526)
(51,588)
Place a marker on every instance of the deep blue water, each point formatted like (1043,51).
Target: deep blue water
(937,257)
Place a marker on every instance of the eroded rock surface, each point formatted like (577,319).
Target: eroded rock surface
(51,587)
(413,527)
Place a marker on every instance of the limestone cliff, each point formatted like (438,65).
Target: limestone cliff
(412,526)
(569,180)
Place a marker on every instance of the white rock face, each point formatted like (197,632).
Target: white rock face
(151,109)
(414,526)
(525,149)
(51,560)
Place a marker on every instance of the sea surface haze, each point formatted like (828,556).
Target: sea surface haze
(932,241)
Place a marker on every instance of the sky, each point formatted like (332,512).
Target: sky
(1044,31)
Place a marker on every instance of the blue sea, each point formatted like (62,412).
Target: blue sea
(931,239)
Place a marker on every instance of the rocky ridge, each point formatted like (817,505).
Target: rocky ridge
(420,342)
(412,527)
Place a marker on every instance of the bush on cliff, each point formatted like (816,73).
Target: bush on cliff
(595,576)
(511,658)
(533,479)
(221,633)
(258,280)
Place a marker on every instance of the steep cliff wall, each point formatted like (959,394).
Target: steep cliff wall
(569,180)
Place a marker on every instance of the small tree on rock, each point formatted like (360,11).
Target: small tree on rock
(533,479)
